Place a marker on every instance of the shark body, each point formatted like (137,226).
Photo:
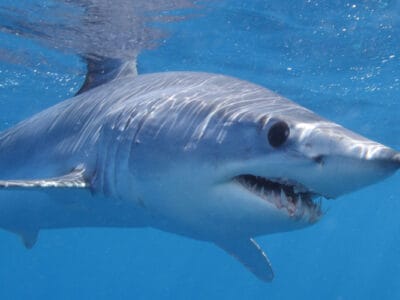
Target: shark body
(202,155)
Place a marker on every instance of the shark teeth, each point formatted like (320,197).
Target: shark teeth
(285,195)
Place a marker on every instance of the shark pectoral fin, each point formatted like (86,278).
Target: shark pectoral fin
(250,254)
(74,179)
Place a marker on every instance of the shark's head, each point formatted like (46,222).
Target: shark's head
(291,161)
(279,161)
(257,163)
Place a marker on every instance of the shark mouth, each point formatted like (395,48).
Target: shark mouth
(296,199)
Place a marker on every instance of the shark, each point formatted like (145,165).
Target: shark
(205,156)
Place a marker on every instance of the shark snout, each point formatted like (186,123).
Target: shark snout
(387,158)
(343,161)
(396,160)
(340,174)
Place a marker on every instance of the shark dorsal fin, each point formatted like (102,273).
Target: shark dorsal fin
(73,179)
(101,70)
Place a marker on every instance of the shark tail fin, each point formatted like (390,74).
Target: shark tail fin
(102,69)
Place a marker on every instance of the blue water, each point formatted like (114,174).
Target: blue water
(339,58)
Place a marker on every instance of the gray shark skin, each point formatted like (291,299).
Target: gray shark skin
(206,156)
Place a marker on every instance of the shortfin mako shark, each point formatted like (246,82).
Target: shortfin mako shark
(202,155)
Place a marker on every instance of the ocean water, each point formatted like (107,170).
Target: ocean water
(338,58)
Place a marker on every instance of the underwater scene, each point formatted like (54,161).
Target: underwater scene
(148,149)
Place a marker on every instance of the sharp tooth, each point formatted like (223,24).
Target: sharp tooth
(300,206)
(277,199)
(284,198)
(299,200)
(291,208)
(262,190)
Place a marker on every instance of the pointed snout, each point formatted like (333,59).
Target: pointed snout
(344,161)
(388,158)
(345,172)
(396,160)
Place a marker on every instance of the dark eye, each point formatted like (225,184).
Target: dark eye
(278,134)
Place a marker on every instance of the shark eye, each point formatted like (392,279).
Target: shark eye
(278,134)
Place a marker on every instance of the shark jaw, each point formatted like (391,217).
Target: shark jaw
(286,195)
